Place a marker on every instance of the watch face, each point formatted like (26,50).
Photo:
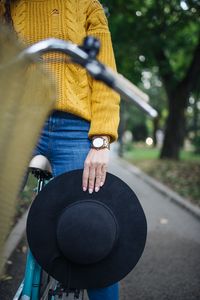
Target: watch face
(98,142)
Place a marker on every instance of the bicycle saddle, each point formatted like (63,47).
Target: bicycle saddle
(40,167)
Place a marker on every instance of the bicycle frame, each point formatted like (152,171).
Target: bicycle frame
(30,286)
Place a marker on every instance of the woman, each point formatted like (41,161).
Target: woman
(86,116)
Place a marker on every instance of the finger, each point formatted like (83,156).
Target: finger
(85,176)
(98,177)
(92,172)
(103,174)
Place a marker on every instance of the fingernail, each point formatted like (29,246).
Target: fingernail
(101,184)
(90,191)
(96,189)
(84,189)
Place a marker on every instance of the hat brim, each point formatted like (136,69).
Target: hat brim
(42,222)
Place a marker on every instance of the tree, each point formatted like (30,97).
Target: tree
(163,34)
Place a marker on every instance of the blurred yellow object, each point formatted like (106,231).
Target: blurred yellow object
(27,96)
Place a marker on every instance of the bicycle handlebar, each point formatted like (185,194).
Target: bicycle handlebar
(95,68)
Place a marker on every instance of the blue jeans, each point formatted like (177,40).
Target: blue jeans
(64,141)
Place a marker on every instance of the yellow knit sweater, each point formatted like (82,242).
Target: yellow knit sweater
(77,92)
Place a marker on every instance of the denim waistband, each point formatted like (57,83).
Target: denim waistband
(66,115)
(66,121)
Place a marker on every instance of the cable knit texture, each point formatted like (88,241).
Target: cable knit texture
(77,92)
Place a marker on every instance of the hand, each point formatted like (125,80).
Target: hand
(95,167)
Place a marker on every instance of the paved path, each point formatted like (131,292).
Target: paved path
(170,266)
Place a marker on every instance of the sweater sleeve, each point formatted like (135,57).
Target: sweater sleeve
(105,102)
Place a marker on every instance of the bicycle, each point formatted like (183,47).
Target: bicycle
(37,284)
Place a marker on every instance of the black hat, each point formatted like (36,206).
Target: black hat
(86,240)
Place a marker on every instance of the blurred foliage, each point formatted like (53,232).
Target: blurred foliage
(193,120)
(141,28)
(157,46)
(196,143)
(25,198)
(176,175)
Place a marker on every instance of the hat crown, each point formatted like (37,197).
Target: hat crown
(87,231)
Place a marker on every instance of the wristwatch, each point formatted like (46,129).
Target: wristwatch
(100,142)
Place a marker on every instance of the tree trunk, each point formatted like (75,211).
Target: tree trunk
(178,94)
(155,129)
(175,130)
(196,116)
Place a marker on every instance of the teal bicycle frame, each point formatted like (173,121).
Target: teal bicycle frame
(30,286)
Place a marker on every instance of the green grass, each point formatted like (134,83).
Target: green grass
(140,153)
(190,156)
(182,176)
